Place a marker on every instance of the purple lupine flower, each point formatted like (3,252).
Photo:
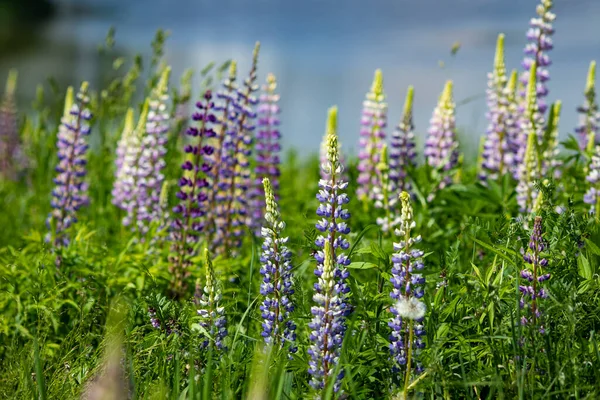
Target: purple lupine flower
(402,150)
(234,179)
(408,311)
(124,142)
(496,145)
(530,169)
(191,210)
(153,318)
(212,314)
(532,291)
(441,146)
(276,259)
(70,193)
(11,155)
(536,51)
(592,196)
(589,120)
(267,152)
(516,140)
(372,137)
(151,161)
(328,324)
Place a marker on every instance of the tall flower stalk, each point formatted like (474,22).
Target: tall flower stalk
(406,339)
(530,169)
(384,195)
(496,156)
(536,51)
(70,193)
(191,210)
(267,151)
(328,324)
(234,180)
(441,147)
(372,137)
(532,291)
(210,310)
(151,161)
(278,327)
(402,150)
(589,120)
(10,144)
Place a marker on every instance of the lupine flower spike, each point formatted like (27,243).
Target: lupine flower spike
(532,292)
(191,210)
(70,193)
(10,146)
(267,151)
(536,52)
(589,120)
(212,314)
(441,147)
(232,203)
(592,196)
(328,325)
(530,169)
(516,140)
(372,137)
(276,259)
(402,150)
(550,161)
(126,187)
(124,142)
(495,148)
(384,194)
(408,311)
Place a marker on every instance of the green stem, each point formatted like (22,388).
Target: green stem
(408,359)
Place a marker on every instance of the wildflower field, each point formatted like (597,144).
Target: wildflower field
(158,243)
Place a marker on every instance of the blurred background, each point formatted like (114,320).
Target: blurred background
(323,52)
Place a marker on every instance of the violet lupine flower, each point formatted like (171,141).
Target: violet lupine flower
(372,137)
(153,318)
(267,151)
(441,146)
(70,193)
(592,196)
(516,139)
(328,324)
(530,168)
(11,155)
(532,291)
(495,146)
(189,221)
(408,311)
(232,202)
(536,51)
(212,314)
(402,150)
(151,161)
(278,327)
(589,120)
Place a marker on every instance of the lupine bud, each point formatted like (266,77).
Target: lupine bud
(372,137)
(276,259)
(441,147)
(408,283)
(212,314)
(70,193)
(331,290)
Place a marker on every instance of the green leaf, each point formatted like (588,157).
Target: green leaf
(592,247)
(583,266)
(361,265)
(492,249)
